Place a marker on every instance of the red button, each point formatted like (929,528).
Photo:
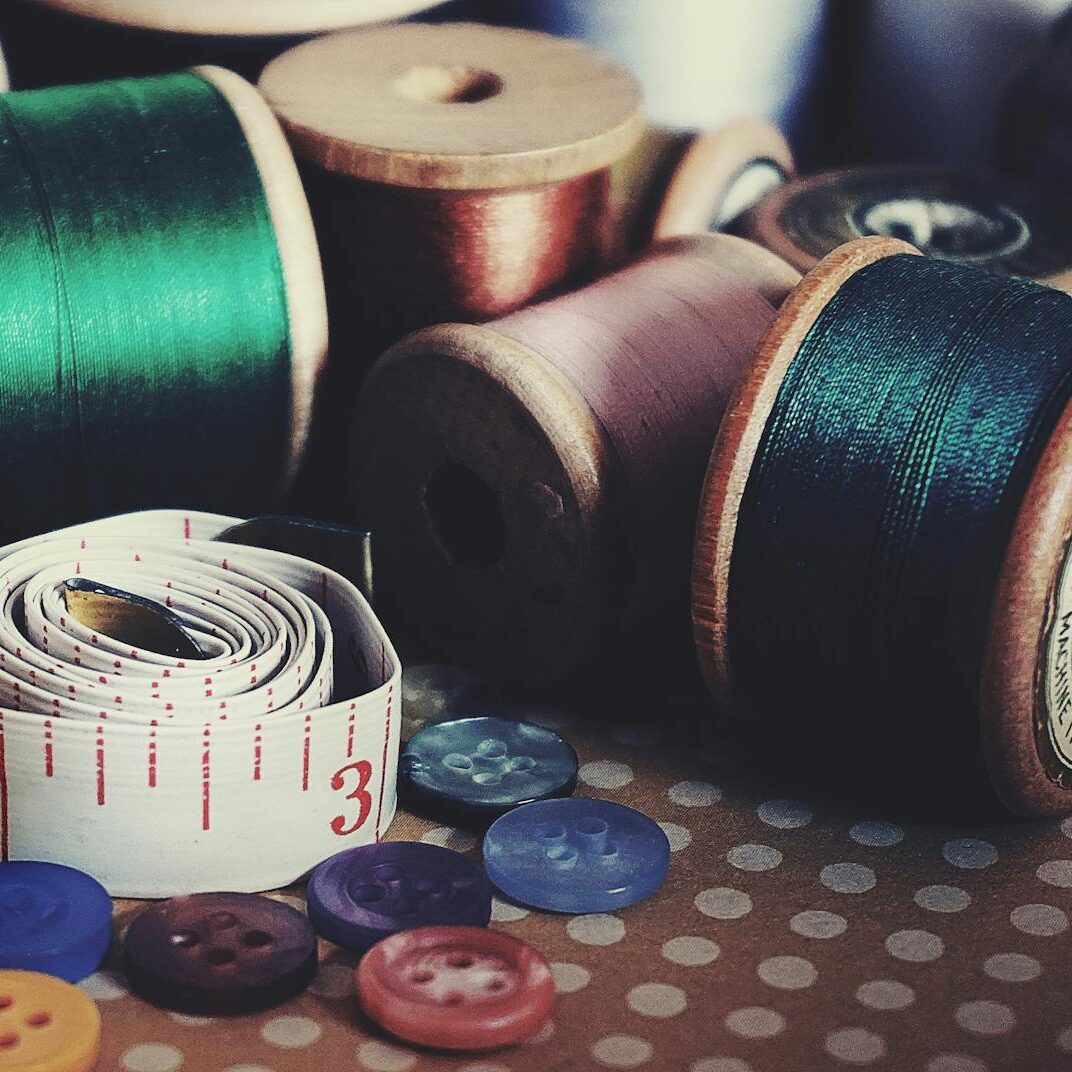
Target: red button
(456,988)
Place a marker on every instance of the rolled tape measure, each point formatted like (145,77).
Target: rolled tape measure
(160,775)
(962,215)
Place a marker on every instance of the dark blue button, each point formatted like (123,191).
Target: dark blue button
(576,855)
(364,894)
(476,769)
(53,919)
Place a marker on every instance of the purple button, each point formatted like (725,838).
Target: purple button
(364,894)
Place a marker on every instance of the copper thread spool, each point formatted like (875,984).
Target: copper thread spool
(57,42)
(1022,692)
(543,470)
(455,172)
(965,216)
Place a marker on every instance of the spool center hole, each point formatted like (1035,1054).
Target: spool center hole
(448,85)
(952,229)
(465,516)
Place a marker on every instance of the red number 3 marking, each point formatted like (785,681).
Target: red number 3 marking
(363,770)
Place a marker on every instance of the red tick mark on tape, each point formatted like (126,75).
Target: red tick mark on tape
(100,765)
(383,763)
(152,753)
(305,754)
(205,782)
(48,748)
(257,753)
(5,831)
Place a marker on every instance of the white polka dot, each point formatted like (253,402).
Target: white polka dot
(569,978)
(720,1064)
(956,1062)
(887,995)
(152,1057)
(291,1032)
(596,929)
(1064,1040)
(723,903)
(379,1057)
(621,1051)
(1041,920)
(333,981)
(855,1045)
(754,857)
(191,1021)
(695,794)
(915,946)
(545,1034)
(784,814)
(505,912)
(787,973)
(942,898)
(283,898)
(755,1022)
(847,878)
(678,836)
(818,924)
(448,837)
(690,951)
(876,835)
(636,736)
(969,852)
(985,1017)
(1012,968)
(656,999)
(606,774)
(1056,873)
(483,1066)
(105,986)
(1066,827)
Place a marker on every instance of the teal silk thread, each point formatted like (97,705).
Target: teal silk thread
(144,332)
(882,498)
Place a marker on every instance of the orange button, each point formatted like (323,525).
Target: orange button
(46,1025)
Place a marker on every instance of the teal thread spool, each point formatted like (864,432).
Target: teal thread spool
(162,319)
(881,568)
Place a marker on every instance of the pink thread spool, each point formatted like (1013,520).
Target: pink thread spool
(538,477)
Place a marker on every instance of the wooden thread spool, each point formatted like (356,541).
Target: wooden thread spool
(1022,688)
(538,476)
(455,172)
(965,216)
(58,42)
(679,183)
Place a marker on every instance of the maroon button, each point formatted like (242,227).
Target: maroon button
(220,953)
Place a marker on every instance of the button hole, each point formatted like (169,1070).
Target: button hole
(6,1001)
(256,939)
(453,1000)
(496,985)
(39,1019)
(220,956)
(422,977)
(460,960)
(9,1041)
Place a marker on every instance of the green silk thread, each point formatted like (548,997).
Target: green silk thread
(882,498)
(143,319)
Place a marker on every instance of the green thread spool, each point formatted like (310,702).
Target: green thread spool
(162,317)
(882,571)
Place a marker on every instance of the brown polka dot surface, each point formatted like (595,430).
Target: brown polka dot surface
(796,930)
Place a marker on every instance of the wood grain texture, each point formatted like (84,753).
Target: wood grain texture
(458,106)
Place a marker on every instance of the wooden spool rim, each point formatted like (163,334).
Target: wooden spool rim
(712,164)
(735,450)
(241,18)
(298,253)
(763,221)
(352,104)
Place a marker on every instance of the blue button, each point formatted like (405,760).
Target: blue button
(476,769)
(576,855)
(53,919)
(364,894)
